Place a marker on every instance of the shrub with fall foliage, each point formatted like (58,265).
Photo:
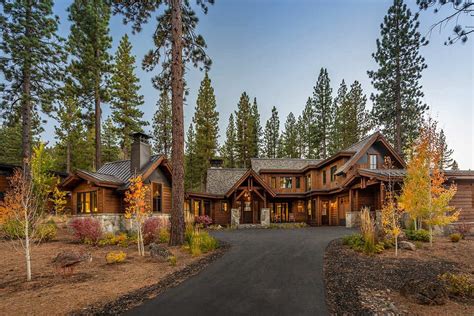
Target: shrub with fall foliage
(115,257)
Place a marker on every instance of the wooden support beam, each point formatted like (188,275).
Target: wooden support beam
(240,194)
(259,195)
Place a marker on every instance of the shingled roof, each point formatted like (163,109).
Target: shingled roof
(220,180)
(116,172)
(281,163)
(400,173)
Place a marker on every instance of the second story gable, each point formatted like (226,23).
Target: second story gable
(300,176)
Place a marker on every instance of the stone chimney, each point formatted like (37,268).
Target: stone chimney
(141,152)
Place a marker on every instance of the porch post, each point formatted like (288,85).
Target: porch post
(350,200)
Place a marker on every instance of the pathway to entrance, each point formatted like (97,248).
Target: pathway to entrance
(266,272)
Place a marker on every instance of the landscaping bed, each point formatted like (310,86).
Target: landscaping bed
(92,285)
(358,283)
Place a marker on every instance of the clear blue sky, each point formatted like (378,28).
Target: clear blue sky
(273,50)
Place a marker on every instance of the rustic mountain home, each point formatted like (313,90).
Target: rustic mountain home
(101,193)
(318,192)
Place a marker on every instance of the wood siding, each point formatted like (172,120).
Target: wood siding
(464,200)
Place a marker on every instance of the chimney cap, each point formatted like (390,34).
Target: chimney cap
(140,135)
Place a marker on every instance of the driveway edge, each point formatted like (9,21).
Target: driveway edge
(138,297)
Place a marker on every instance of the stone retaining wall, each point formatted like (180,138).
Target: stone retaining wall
(112,223)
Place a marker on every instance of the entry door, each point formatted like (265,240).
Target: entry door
(247,213)
(325,213)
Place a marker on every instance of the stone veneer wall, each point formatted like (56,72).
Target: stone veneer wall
(112,223)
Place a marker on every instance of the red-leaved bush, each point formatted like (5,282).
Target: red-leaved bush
(152,228)
(203,220)
(86,230)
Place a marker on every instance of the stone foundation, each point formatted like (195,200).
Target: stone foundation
(352,219)
(234,217)
(265,217)
(113,223)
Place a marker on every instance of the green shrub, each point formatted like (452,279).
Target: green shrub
(418,235)
(199,241)
(456,237)
(458,284)
(163,236)
(46,232)
(418,244)
(172,260)
(13,229)
(357,242)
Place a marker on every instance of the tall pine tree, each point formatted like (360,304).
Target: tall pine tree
(342,120)
(88,43)
(192,177)
(31,63)
(206,120)
(162,126)
(358,100)
(245,133)
(69,132)
(290,137)
(256,130)
(309,136)
(126,101)
(398,107)
(228,149)
(324,111)
(446,161)
(272,135)
(111,150)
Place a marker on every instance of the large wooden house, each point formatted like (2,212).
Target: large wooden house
(319,192)
(103,191)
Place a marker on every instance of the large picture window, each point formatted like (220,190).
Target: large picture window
(87,202)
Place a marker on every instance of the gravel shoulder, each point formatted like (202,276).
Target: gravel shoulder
(357,283)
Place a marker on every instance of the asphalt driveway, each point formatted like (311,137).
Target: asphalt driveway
(266,272)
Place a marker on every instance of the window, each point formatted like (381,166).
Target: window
(298,184)
(309,207)
(373,161)
(286,182)
(324,176)
(224,206)
(300,207)
(186,206)
(197,208)
(308,182)
(333,173)
(87,202)
(274,182)
(156,195)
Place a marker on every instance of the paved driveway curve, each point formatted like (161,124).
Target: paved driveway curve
(266,272)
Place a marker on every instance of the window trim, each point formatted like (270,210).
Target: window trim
(81,203)
(226,208)
(333,173)
(286,182)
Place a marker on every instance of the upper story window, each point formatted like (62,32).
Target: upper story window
(87,202)
(286,183)
(298,182)
(308,182)
(333,173)
(324,176)
(373,161)
(274,182)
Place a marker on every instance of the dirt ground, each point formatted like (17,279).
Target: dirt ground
(357,283)
(50,293)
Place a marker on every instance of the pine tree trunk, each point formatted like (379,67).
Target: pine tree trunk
(98,145)
(98,141)
(68,157)
(26,103)
(177,151)
(398,104)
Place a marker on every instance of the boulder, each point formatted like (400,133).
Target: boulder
(159,252)
(406,245)
(425,291)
